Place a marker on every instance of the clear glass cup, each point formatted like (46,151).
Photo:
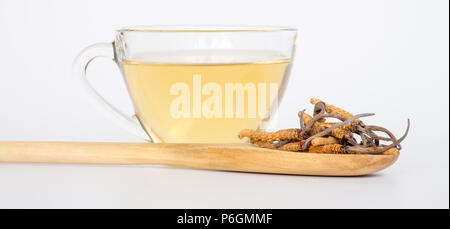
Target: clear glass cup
(195,84)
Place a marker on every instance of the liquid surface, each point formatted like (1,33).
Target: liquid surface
(187,98)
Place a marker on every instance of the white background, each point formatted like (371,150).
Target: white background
(387,57)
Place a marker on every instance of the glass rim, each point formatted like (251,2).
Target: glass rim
(206,28)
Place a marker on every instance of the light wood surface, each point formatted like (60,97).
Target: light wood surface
(227,157)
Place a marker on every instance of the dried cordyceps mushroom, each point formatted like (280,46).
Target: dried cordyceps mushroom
(318,136)
(324,141)
(255,135)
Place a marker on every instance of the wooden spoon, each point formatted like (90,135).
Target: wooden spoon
(228,157)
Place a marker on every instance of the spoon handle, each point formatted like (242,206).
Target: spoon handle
(229,157)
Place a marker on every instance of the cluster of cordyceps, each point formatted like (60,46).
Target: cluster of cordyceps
(316,135)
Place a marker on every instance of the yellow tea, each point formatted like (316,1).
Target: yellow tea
(197,100)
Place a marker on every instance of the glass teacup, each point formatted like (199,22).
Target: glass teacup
(196,84)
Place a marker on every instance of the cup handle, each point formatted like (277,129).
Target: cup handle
(104,50)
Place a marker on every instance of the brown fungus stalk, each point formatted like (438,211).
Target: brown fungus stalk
(316,135)
(320,108)
(328,130)
(315,124)
(395,143)
(302,121)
